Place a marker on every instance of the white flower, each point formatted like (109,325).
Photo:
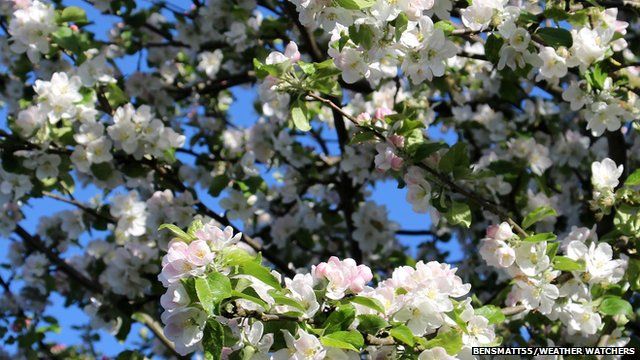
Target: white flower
(422,317)
(99,150)
(479,333)
(497,253)
(29,120)
(575,95)
(58,97)
(602,116)
(436,353)
(538,294)
(605,174)
(587,48)
(237,205)
(532,258)
(253,336)
(581,318)
(599,264)
(305,347)
(291,55)
(301,287)
(30,27)
(554,66)
(210,62)
(94,70)
(185,328)
(353,65)
(175,297)
(131,214)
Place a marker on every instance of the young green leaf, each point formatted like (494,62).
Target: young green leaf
(348,340)
(555,37)
(537,215)
(403,334)
(633,179)
(371,303)
(614,305)
(212,290)
(541,237)
(564,263)
(492,313)
(300,119)
(176,231)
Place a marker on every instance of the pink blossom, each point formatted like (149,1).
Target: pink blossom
(217,238)
(199,253)
(397,141)
(363,118)
(343,276)
(291,51)
(387,159)
(176,264)
(500,232)
(382,112)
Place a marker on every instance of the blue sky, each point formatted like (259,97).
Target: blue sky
(242,113)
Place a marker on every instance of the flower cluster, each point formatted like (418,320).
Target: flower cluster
(536,271)
(420,299)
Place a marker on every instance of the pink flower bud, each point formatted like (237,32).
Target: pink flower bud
(291,51)
(396,163)
(74,27)
(363,118)
(397,141)
(382,112)
(491,231)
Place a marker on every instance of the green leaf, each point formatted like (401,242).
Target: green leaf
(633,179)
(371,324)
(236,257)
(72,14)
(102,171)
(362,136)
(339,319)
(348,340)
(361,35)
(492,48)
(212,290)
(115,96)
(455,160)
(492,313)
(459,213)
(614,305)
(261,273)
(400,23)
(371,303)
(403,334)
(541,237)
(176,231)
(300,119)
(552,249)
(285,300)
(421,151)
(354,4)
(567,264)
(633,274)
(445,25)
(213,340)
(250,298)
(555,37)
(194,227)
(596,76)
(218,184)
(538,214)
(451,341)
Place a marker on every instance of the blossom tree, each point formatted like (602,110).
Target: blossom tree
(262,240)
